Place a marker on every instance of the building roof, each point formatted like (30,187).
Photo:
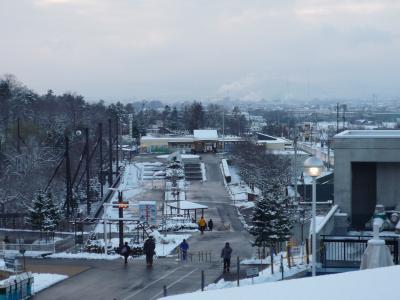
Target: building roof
(205,134)
(187,205)
(393,134)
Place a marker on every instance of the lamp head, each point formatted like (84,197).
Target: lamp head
(313,166)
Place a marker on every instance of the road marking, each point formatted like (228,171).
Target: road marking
(174,283)
(150,284)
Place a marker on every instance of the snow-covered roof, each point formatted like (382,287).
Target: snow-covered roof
(168,138)
(205,134)
(369,134)
(369,284)
(187,205)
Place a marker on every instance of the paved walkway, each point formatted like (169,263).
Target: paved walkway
(113,280)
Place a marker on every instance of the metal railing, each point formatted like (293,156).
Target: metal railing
(51,247)
(348,251)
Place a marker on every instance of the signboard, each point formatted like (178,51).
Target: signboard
(253,272)
(148,211)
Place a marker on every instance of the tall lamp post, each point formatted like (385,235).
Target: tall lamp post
(313,167)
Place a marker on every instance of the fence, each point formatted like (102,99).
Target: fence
(348,251)
(30,247)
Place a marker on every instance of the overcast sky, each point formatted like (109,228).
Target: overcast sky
(203,49)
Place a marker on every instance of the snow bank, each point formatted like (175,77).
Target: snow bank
(265,275)
(45,280)
(85,255)
(367,285)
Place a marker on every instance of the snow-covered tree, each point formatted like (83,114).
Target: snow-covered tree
(44,214)
(52,214)
(37,210)
(271,222)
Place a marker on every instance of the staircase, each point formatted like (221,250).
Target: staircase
(193,171)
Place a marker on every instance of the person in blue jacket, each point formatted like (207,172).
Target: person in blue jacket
(184,247)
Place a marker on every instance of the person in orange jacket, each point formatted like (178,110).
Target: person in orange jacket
(202,224)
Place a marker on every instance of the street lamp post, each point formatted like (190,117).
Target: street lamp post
(313,167)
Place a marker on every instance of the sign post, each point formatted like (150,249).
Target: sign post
(253,272)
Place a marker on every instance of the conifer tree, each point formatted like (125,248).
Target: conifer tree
(271,223)
(37,210)
(52,214)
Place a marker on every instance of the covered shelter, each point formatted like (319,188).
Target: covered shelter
(187,207)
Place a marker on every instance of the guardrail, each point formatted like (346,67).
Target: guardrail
(51,247)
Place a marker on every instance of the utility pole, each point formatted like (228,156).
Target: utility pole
(344,116)
(295,167)
(18,137)
(337,117)
(101,160)
(110,171)
(87,171)
(120,221)
(223,125)
(117,146)
(68,177)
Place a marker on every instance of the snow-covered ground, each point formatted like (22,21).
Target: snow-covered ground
(45,280)
(165,245)
(239,190)
(85,255)
(47,242)
(366,285)
(131,186)
(265,275)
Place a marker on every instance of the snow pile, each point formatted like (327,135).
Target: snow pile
(42,281)
(370,284)
(85,255)
(264,275)
(165,245)
(48,241)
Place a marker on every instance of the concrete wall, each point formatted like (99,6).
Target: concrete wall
(371,147)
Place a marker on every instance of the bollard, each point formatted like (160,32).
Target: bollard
(238,270)
(272,260)
(191,257)
(165,290)
(202,280)
(199,255)
(210,255)
(307,252)
(206,257)
(289,254)
(202,256)
(282,266)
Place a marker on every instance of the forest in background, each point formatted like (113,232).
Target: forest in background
(28,156)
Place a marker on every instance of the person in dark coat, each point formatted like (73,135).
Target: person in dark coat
(149,249)
(226,254)
(126,251)
(184,247)
(210,224)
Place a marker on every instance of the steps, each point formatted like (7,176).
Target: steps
(193,171)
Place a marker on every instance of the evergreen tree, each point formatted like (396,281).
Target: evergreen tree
(44,214)
(271,223)
(37,210)
(52,214)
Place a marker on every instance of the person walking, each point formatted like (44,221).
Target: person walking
(210,224)
(126,251)
(202,224)
(149,249)
(184,247)
(226,254)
